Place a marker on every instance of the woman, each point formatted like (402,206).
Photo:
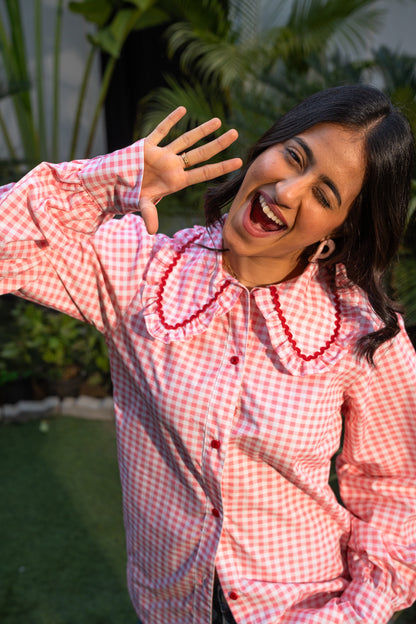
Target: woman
(237,353)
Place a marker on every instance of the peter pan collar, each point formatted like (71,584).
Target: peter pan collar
(195,276)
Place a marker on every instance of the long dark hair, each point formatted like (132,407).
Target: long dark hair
(369,238)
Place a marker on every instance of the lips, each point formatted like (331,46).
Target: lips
(262,214)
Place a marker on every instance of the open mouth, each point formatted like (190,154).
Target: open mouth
(263,215)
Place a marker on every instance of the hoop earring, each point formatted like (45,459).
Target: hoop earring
(325,249)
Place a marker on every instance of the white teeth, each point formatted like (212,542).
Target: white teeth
(269,213)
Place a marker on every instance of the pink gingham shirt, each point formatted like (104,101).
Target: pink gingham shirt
(225,435)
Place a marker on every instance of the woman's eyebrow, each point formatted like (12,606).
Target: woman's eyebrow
(311,158)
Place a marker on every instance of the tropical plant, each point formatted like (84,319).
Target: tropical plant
(237,61)
(48,346)
(37,140)
(114,21)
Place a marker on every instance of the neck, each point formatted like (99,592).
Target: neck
(252,272)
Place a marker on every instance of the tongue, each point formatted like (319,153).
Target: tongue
(257,216)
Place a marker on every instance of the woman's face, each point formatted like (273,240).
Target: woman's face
(295,194)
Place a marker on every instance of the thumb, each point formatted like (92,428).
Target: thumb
(149,213)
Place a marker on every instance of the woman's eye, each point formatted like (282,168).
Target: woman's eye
(321,198)
(293,155)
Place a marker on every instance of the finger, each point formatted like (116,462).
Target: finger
(186,140)
(214,170)
(166,125)
(149,213)
(207,151)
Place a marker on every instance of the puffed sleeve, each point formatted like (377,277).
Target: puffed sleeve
(48,221)
(377,478)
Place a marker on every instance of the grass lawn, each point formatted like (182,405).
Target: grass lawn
(62,550)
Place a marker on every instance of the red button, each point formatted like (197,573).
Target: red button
(215,444)
(215,513)
(235,359)
(233,595)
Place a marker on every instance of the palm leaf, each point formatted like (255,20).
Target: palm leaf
(314,24)
(165,99)
(208,15)
(398,70)
(245,18)
(203,53)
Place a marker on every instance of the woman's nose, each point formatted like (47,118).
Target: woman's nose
(289,192)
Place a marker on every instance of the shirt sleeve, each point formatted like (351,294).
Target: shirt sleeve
(48,225)
(377,478)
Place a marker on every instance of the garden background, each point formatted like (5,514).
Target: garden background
(85,77)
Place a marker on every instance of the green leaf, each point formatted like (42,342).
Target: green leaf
(143,5)
(152,17)
(193,97)
(111,38)
(314,24)
(95,11)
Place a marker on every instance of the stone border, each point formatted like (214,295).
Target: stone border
(79,407)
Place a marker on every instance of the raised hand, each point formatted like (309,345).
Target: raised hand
(166,168)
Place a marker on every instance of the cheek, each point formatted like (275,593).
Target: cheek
(319,223)
(332,225)
(266,168)
(243,195)
(237,202)
(263,169)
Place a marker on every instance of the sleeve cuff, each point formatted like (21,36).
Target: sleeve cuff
(366,604)
(360,603)
(115,180)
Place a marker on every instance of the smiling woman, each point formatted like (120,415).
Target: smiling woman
(365,153)
(242,353)
(293,195)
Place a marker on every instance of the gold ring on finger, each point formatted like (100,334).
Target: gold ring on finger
(185,159)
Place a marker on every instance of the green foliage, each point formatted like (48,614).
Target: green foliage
(313,25)
(231,68)
(50,346)
(38,140)
(96,11)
